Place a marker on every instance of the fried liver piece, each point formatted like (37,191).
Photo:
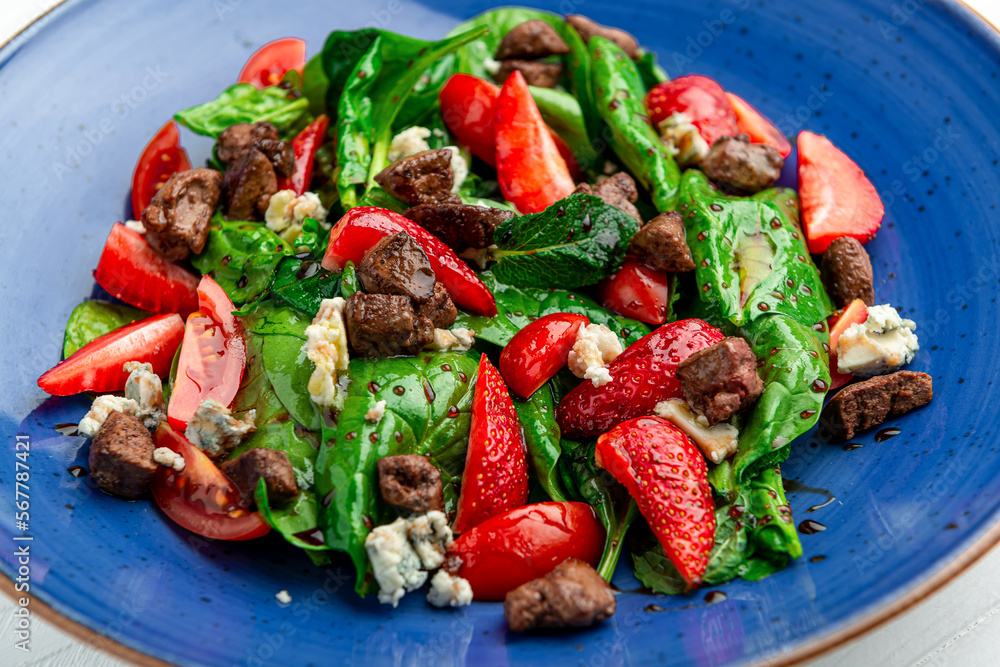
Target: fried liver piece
(847,272)
(720,380)
(617,190)
(737,164)
(121,456)
(410,482)
(573,595)
(587,28)
(422,178)
(538,73)
(530,40)
(248,184)
(863,405)
(383,325)
(397,265)
(279,153)
(460,226)
(271,465)
(177,220)
(439,309)
(662,244)
(236,140)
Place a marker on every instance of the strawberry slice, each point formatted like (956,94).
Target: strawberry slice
(641,376)
(691,101)
(837,198)
(496,467)
(538,351)
(666,474)
(756,125)
(855,313)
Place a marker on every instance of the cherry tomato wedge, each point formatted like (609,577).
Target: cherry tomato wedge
(756,125)
(538,351)
(855,313)
(138,275)
(363,226)
(525,543)
(305,144)
(213,356)
(637,291)
(199,497)
(160,159)
(97,366)
(269,63)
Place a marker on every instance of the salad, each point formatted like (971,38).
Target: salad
(480,312)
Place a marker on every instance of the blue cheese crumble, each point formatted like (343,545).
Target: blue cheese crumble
(215,431)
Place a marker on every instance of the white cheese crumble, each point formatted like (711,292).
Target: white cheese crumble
(453,340)
(492,66)
(168,458)
(136,226)
(430,537)
(375,414)
(881,344)
(413,140)
(326,347)
(99,411)
(145,388)
(682,138)
(447,590)
(283,597)
(595,347)
(215,431)
(286,213)
(459,168)
(716,442)
(394,561)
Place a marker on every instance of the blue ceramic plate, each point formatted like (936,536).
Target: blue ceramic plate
(911,95)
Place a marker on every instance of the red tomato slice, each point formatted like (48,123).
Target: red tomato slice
(269,63)
(213,356)
(467,108)
(855,313)
(531,172)
(637,291)
(97,366)
(758,127)
(305,145)
(138,275)
(538,351)
(363,226)
(525,543)
(199,497)
(160,159)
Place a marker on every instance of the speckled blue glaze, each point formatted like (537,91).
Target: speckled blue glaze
(890,89)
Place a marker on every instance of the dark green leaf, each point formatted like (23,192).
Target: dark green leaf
(541,434)
(93,319)
(243,103)
(315,85)
(650,71)
(561,111)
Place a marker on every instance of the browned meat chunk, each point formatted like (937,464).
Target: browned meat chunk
(863,405)
(460,226)
(588,28)
(121,456)
(720,380)
(847,272)
(410,482)
(248,184)
(422,178)
(236,140)
(735,163)
(383,325)
(271,465)
(618,191)
(177,220)
(397,265)
(572,595)
(280,153)
(662,244)
(536,72)
(440,309)
(530,40)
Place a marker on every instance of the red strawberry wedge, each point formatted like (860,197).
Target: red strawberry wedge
(760,130)
(496,466)
(666,474)
(837,198)
(641,376)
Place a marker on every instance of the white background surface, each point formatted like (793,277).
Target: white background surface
(956,626)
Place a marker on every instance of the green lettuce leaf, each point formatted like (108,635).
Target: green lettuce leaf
(244,103)
(93,319)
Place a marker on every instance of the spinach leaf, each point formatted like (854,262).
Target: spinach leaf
(561,111)
(428,400)
(93,319)
(306,294)
(650,70)
(619,98)
(348,281)
(243,103)
(577,241)
(516,306)
(774,538)
(751,259)
(315,84)
(541,434)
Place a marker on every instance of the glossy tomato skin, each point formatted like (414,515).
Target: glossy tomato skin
(305,144)
(199,497)
(637,291)
(525,543)
(213,356)
(135,273)
(269,63)
(539,351)
(756,125)
(97,366)
(363,226)
(467,108)
(160,159)
(531,172)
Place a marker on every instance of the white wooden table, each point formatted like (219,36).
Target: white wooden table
(958,625)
